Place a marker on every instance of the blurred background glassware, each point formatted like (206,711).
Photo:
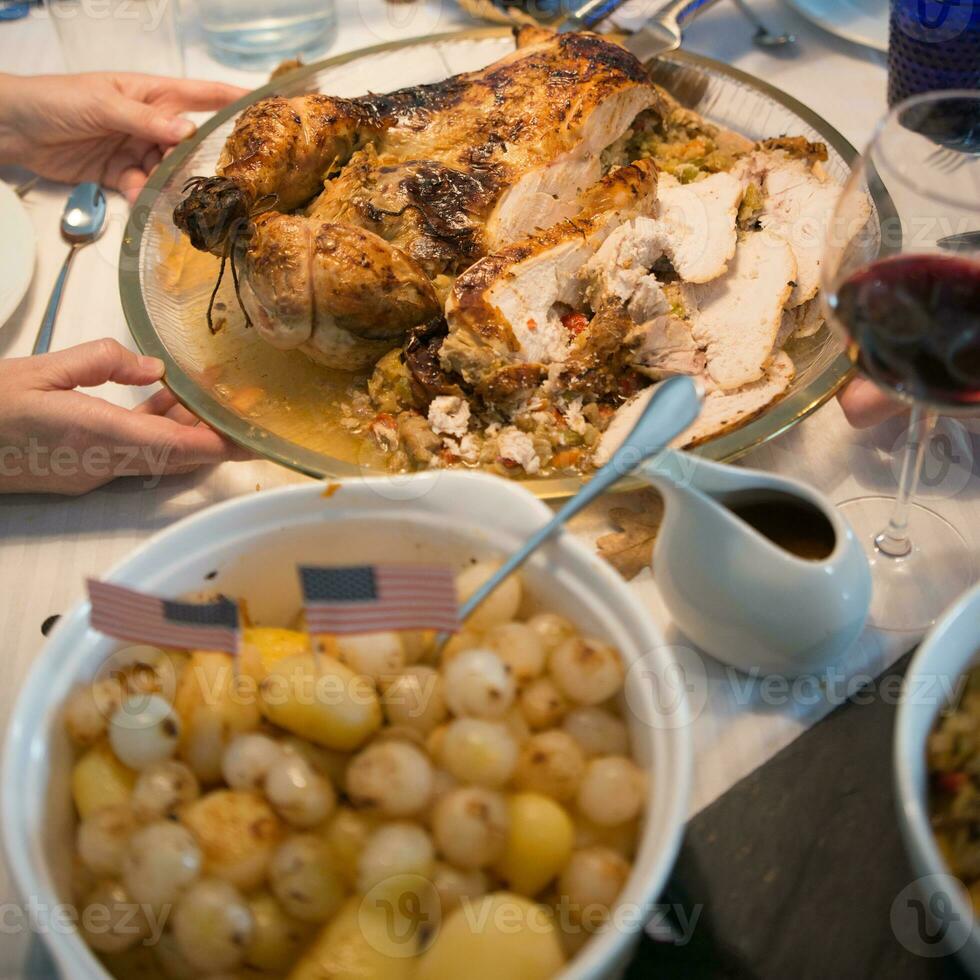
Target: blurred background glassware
(14,9)
(519,11)
(933,45)
(904,290)
(261,33)
(118,35)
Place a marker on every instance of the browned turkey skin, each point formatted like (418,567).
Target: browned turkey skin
(413,185)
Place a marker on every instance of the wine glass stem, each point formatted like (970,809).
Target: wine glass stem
(894,540)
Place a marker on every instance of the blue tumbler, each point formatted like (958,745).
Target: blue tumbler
(933,45)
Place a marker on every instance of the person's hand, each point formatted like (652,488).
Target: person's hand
(108,127)
(864,404)
(55,439)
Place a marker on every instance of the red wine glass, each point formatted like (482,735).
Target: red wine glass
(901,282)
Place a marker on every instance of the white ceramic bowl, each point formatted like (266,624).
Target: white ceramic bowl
(950,649)
(254,544)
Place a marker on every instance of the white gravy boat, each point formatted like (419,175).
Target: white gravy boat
(737,594)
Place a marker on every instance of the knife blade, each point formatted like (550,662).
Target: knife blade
(967,241)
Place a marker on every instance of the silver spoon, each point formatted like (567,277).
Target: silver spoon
(81,222)
(763,37)
(674,406)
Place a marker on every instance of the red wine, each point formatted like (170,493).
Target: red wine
(914,324)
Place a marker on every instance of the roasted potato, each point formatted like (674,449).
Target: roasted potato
(319,698)
(359,943)
(539,842)
(99,779)
(215,702)
(499,935)
(237,831)
(264,646)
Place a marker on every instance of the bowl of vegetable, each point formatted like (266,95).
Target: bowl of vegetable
(937,782)
(368,805)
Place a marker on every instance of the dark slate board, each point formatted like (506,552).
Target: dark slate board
(797,866)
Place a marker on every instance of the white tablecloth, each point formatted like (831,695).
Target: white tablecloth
(48,546)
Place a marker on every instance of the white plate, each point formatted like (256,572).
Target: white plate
(17,251)
(864,22)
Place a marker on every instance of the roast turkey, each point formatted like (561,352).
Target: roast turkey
(390,192)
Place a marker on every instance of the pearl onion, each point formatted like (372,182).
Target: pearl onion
(299,795)
(469,825)
(204,745)
(144,729)
(415,699)
(329,763)
(551,629)
(520,648)
(399,733)
(81,878)
(103,839)
(454,886)
(442,783)
(111,921)
(213,926)
(304,878)
(597,731)
(346,835)
(277,939)
(417,644)
(591,882)
(162,788)
(142,678)
(500,606)
(515,723)
(172,962)
(621,838)
(376,655)
(164,858)
(138,655)
(248,759)
(611,791)
(586,671)
(394,849)
(434,741)
(478,685)
(542,704)
(550,763)
(478,751)
(88,709)
(392,777)
(458,643)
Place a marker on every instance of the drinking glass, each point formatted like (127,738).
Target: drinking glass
(118,35)
(260,33)
(933,45)
(902,284)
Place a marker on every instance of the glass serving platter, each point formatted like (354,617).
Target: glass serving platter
(283,407)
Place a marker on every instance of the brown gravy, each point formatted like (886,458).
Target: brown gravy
(790,524)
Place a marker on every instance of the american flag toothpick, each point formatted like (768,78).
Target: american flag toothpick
(373,598)
(140,618)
